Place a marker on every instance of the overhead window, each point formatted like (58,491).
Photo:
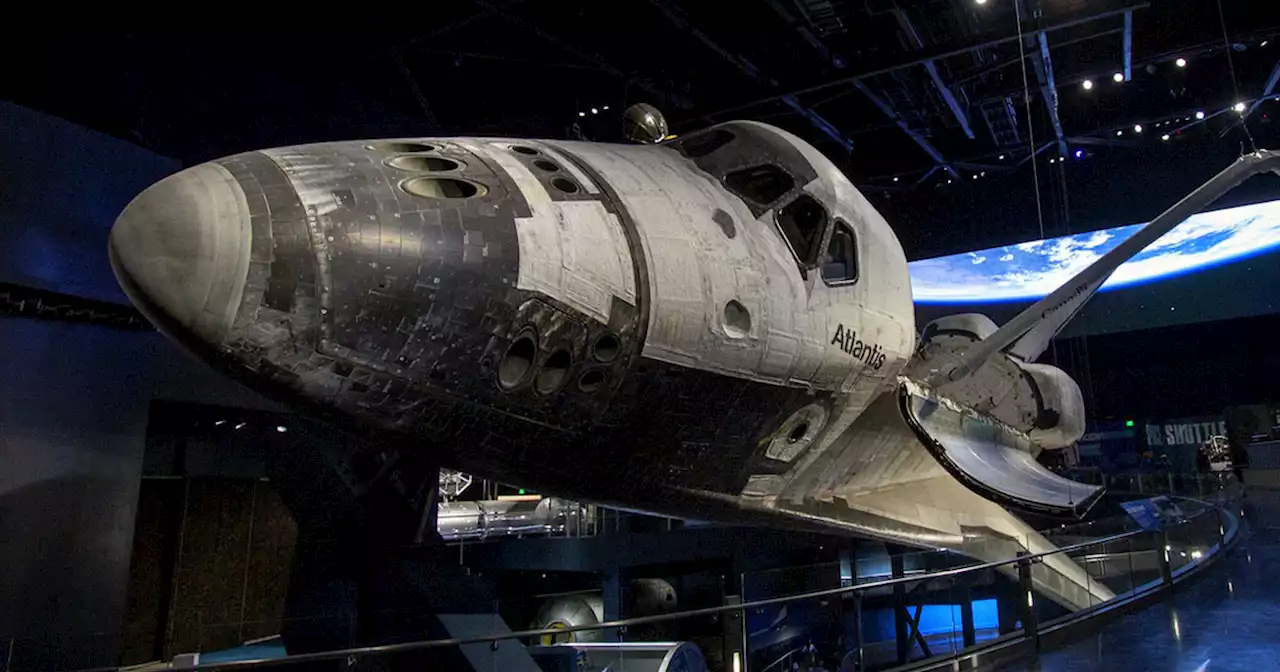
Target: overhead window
(803,222)
(760,185)
(840,263)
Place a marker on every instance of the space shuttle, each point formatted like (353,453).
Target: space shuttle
(718,326)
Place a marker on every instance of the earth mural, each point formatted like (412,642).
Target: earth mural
(1031,270)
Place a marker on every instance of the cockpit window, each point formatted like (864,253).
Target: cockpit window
(761,185)
(704,143)
(840,264)
(803,222)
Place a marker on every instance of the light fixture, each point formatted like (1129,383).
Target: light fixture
(281,429)
(606,107)
(1053,160)
(220,423)
(1002,157)
(1079,153)
(981,2)
(1264,43)
(1087,84)
(895,179)
(975,176)
(595,110)
(1239,107)
(948,180)
(1165,137)
(582,114)
(1137,128)
(1199,114)
(1118,77)
(241,425)
(1119,133)
(1181,62)
(983,173)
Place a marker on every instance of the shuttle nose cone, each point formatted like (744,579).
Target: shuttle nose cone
(180,250)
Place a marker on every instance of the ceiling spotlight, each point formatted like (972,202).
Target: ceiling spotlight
(975,177)
(1165,137)
(1239,107)
(595,110)
(1087,84)
(1181,62)
(1118,77)
(1119,133)
(983,173)
(582,114)
(1002,157)
(895,179)
(282,429)
(1199,114)
(1137,128)
(1265,43)
(240,425)
(981,2)
(1053,160)
(948,181)
(606,107)
(1079,154)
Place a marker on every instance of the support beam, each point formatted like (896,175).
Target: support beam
(432,122)
(932,68)
(1128,46)
(1266,90)
(970,165)
(1050,91)
(504,14)
(897,119)
(790,100)
(1033,155)
(806,34)
(440,31)
(941,52)
(928,174)
(1101,142)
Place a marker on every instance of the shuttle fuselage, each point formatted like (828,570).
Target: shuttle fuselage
(609,321)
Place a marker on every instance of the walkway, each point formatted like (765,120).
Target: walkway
(1228,619)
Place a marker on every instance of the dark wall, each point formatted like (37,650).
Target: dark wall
(1177,371)
(74,403)
(210,566)
(63,187)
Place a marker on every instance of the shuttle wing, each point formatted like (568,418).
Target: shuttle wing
(1028,334)
(875,478)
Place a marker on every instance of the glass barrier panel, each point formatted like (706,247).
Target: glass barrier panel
(923,616)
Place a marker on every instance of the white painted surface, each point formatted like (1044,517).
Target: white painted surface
(572,251)
(694,270)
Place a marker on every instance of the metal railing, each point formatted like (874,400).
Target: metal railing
(1198,538)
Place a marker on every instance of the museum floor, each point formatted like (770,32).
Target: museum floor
(1227,619)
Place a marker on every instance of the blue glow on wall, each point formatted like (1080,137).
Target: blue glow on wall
(1029,271)
(934,618)
(941,618)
